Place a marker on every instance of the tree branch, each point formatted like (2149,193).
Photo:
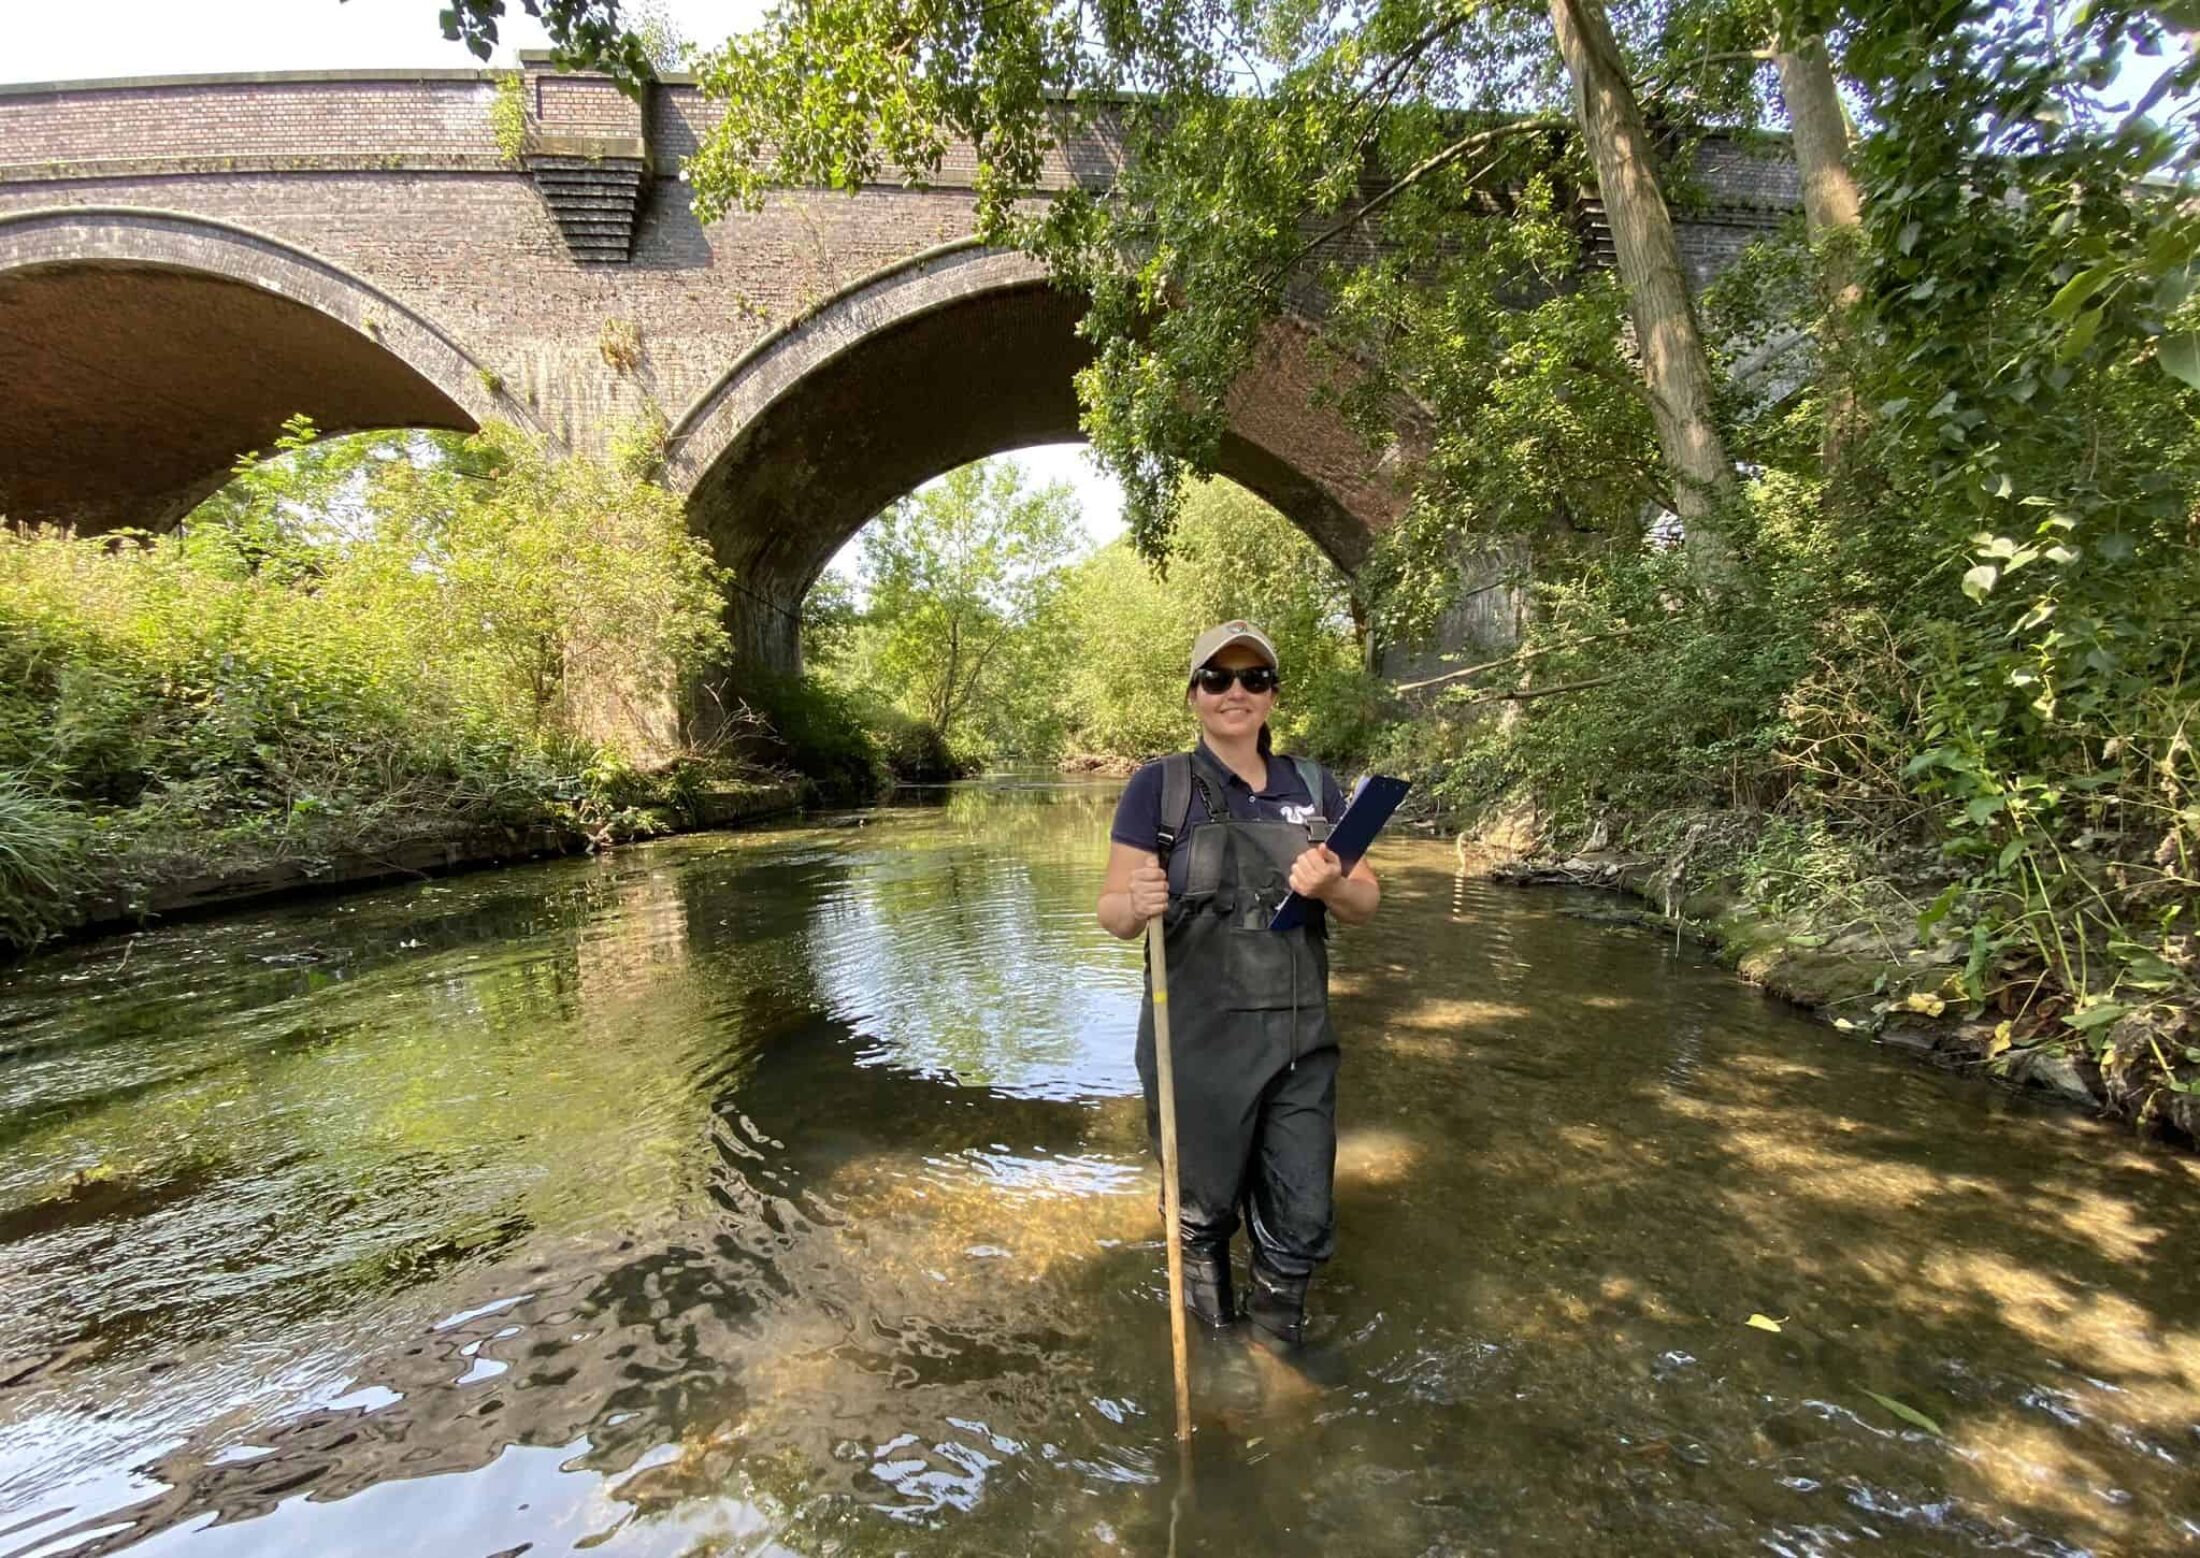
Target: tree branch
(978,670)
(1433,163)
(1523,694)
(1517,657)
(1397,70)
(1405,58)
(1648,85)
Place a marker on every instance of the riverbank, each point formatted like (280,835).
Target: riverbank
(129,891)
(1883,980)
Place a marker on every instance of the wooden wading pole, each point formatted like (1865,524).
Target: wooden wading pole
(1157,964)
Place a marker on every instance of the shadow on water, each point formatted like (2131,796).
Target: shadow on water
(785,1192)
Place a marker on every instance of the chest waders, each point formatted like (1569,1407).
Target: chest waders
(1255,1055)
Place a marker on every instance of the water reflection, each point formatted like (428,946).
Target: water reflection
(976,960)
(784,1192)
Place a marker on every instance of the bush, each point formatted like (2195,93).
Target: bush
(916,753)
(811,726)
(357,641)
(41,863)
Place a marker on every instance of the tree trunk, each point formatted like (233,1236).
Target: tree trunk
(1834,209)
(1674,363)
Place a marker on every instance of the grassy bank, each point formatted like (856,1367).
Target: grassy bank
(364,650)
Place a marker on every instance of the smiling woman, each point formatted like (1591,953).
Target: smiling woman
(1255,1088)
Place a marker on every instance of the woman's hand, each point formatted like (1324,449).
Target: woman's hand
(1351,895)
(1136,891)
(1149,892)
(1316,873)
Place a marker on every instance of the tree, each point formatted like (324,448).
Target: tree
(585,34)
(1675,364)
(954,573)
(581,587)
(1234,557)
(1833,207)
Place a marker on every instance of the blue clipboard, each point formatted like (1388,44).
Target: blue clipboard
(1374,798)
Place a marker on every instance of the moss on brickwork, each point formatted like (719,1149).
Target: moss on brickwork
(508,116)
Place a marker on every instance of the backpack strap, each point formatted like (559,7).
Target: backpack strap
(1176,803)
(1311,775)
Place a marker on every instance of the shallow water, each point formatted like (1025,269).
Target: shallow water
(784,1192)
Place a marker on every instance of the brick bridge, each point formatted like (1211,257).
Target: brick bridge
(185,262)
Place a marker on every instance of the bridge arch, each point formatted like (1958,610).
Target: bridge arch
(959,353)
(142,350)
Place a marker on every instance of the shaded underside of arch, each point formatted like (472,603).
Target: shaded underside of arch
(920,371)
(141,354)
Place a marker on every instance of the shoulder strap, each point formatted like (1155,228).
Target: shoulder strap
(1310,775)
(1176,802)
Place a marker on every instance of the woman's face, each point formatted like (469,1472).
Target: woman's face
(1232,714)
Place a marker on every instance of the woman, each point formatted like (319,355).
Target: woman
(1209,842)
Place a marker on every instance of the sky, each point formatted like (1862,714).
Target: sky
(96,39)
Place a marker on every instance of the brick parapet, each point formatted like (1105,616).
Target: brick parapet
(412,120)
(583,105)
(440,121)
(365,118)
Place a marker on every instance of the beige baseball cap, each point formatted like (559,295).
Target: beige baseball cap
(1216,639)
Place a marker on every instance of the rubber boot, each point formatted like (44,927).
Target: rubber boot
(1277,1308)
(1276,1314)
(1207,1292)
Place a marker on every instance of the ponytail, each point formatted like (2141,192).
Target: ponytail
(1266,746)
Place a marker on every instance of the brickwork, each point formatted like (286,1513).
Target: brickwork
(390,188)
(583,105)
(433,115)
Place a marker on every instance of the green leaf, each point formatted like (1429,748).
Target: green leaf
(1936,911)
(2099,1015)
(2180,356)
(2081,335)
(2174,287)
(1978,582)
(1908,1414)
(2074,293)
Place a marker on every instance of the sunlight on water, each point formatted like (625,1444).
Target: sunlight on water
(785,1191)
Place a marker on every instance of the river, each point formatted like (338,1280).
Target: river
(783,1192)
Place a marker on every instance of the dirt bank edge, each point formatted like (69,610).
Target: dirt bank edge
(1845,981)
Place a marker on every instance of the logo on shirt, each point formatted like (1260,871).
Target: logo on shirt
(1299,814)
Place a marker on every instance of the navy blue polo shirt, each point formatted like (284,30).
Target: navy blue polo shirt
(1282,799)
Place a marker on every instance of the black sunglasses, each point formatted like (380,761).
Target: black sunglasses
(1215,680)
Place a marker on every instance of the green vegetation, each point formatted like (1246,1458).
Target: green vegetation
(980,639)
(1862,590)
(508,116)
(959,577)
(359,642)
(1126,632)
